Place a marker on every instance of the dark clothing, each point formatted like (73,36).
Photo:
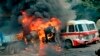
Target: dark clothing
(51,31)
(26,31)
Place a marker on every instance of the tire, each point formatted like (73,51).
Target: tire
(68,44)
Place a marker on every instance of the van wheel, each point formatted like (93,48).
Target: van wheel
(68,44)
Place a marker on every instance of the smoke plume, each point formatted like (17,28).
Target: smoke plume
(65,10)
(11,10)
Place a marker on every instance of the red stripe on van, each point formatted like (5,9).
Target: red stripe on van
(80,33)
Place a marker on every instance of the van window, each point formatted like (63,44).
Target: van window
(71,28)
(63,29)
(80,27)
(88,26)
(76,29)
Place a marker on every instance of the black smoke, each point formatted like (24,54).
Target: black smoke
(10,10)
(65,10)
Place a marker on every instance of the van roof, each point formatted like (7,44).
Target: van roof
(73,22)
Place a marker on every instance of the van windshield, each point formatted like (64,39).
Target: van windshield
(90,26)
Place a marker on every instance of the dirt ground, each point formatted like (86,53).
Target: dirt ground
(53,50)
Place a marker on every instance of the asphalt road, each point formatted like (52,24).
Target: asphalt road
(83,51)
(50,50)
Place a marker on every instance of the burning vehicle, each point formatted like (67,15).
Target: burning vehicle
(34,30)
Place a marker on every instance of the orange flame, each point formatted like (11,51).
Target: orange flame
(20,36)
(39,24)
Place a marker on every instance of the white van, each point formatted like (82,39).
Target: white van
(79,32)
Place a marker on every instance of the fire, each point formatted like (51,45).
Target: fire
(39,25)
(26,20)
(20,35)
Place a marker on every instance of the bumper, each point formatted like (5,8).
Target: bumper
(85,42)
(96,39)
(79,42)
